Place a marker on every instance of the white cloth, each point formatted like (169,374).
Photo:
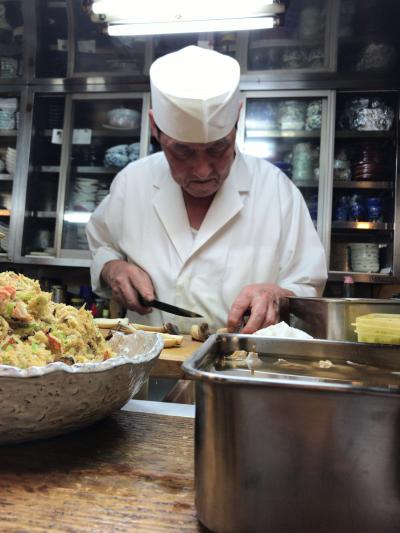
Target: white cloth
(284,331)
(257,230)
(195,94)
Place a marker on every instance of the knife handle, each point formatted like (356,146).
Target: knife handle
(142,301)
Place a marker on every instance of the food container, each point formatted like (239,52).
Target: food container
(41,402)
(333,318)
(285,450)
(380,328)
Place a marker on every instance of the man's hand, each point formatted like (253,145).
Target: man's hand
(262,301)
(126,281)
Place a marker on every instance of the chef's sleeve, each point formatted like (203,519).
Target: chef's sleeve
(103,232)
(302,266)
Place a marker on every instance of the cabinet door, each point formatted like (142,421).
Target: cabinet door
(103,136)
(52,38)
(363,208)
(290,129)
(9,124)
(11,40)
(42,184)
(302,43)
(369,38)
(94,51)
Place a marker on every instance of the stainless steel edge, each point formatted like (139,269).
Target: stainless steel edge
(21,174)
(377,355)
(331,32)
(65,164)
(145,133)
(325,191)
(396,233)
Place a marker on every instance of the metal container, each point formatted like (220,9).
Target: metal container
(333,318)
(288,450)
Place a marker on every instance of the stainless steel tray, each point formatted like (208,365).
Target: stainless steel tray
(286,453)
(299,363)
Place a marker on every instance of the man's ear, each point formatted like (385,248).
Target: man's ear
(153,126)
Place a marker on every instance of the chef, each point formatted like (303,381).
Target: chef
(200,224)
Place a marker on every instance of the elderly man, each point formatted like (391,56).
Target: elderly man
(199,224)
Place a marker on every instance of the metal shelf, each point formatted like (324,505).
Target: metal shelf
(41,214)
(338,184)
(351,134)
(381,226)
(8,133)
(256,134)
(276,43)
(81,169)
(363,277)
(306,184)
(6,177)
(105,133)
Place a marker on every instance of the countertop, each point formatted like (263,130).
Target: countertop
(168,365)
(132,471)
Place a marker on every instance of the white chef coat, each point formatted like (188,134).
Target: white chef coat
(257,230)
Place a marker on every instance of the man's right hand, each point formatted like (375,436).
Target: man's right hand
(126,281)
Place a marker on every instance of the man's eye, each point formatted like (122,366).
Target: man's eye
(217,150)
(182,154)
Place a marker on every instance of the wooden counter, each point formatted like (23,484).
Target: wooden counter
(130,472)
(168,365)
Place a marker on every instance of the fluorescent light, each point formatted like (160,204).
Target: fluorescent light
(190,26)
(179,10)
(77,217)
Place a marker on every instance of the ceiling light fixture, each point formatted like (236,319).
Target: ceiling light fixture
(176,16)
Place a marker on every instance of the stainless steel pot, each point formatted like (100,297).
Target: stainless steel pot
(297,450)
(333,318)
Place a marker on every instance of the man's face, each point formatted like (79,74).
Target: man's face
(199,168)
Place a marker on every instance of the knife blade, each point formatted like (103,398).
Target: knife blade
(168,308)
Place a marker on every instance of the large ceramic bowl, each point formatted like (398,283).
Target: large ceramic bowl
(41,402)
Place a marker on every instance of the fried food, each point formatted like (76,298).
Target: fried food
(35,331)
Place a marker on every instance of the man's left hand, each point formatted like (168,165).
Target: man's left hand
(262,300)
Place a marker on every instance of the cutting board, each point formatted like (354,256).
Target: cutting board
(168,365)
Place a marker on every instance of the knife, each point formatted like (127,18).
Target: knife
(162,306)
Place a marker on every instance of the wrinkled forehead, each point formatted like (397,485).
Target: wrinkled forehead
(171,142)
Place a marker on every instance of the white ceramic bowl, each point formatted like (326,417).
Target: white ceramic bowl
(41,402)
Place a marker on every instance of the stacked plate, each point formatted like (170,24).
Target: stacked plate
(364,257)
(83,195)
(11,160)
(369,165)
(4,241)
(101,193)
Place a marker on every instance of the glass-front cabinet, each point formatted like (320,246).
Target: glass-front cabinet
(293,131)
(302,43)
(79,142)
(368,38)
(364,202)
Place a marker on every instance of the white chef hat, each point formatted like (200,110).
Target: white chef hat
(195,94)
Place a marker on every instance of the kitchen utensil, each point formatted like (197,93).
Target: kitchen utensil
(168,308)
(302,442)
(41,402)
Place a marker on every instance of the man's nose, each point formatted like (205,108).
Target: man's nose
(202,167)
